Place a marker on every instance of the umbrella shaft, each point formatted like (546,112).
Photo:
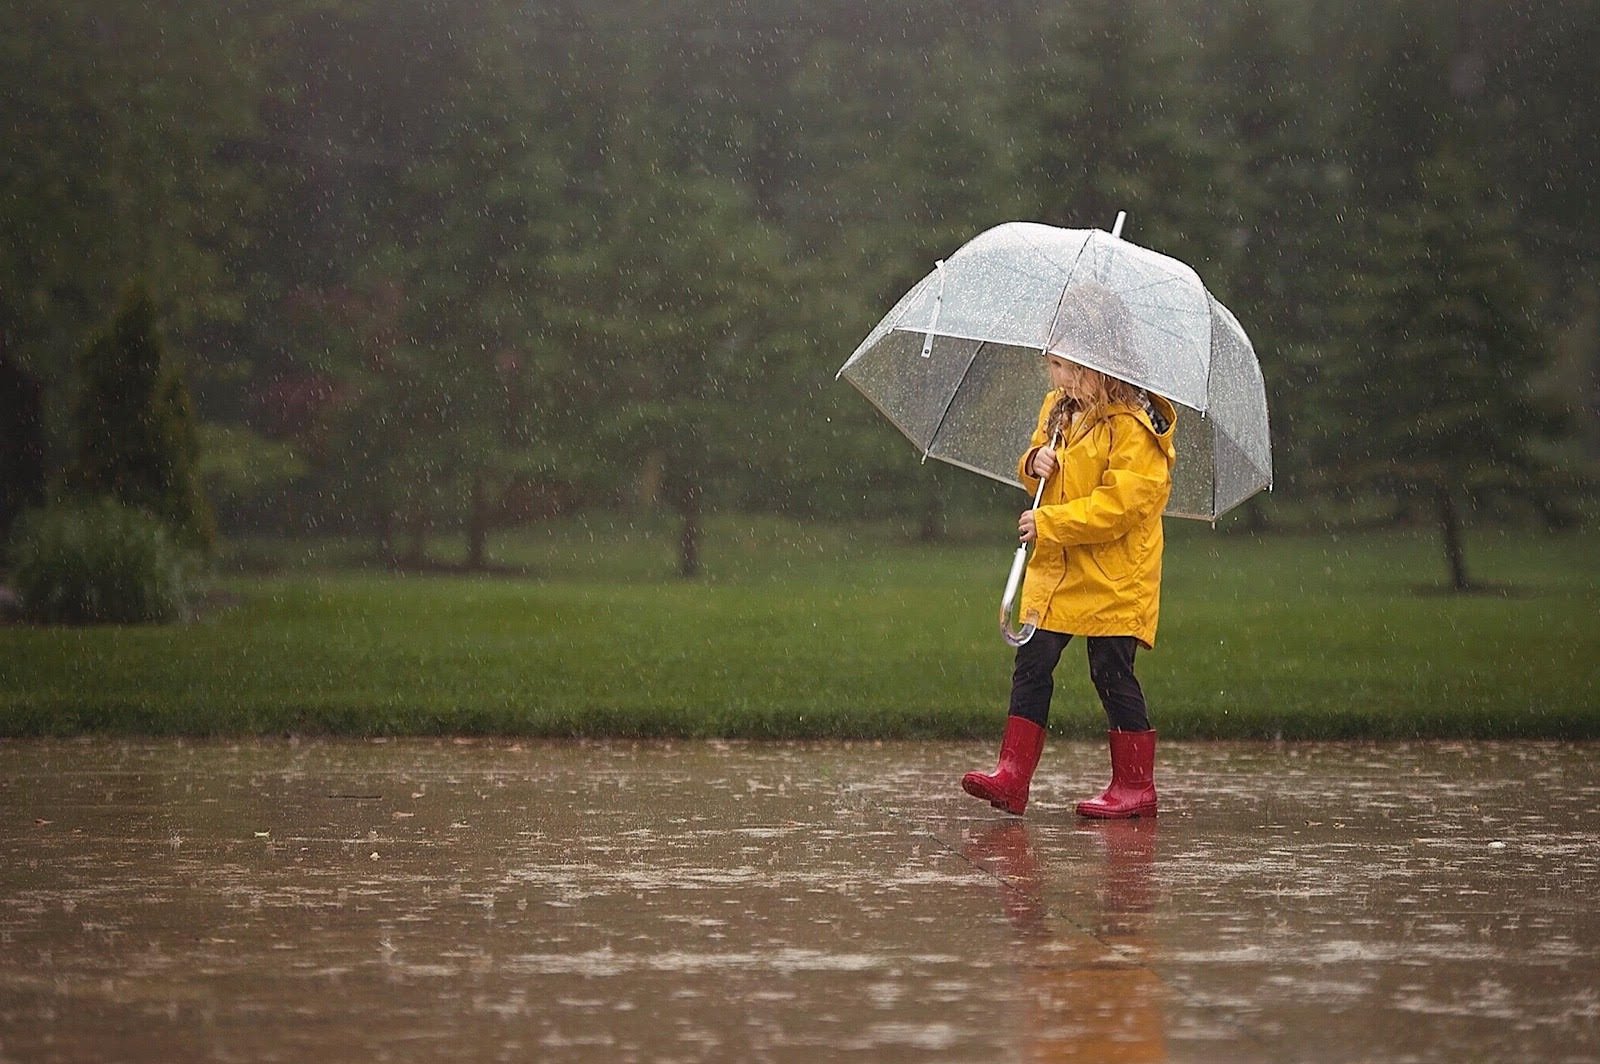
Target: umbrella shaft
(1018,564)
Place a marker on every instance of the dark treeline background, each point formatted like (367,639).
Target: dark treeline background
(450,265)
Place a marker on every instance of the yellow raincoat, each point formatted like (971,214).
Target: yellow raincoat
(1096,566)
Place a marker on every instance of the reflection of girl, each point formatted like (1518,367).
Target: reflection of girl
(1104,449)
(1089,997)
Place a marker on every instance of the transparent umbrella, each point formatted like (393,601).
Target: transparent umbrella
(956,364)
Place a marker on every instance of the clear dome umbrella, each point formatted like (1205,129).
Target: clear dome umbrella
(956,365)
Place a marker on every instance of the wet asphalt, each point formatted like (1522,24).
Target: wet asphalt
(429,900)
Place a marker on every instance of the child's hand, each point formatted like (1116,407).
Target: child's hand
(1044,463)
(1025,527)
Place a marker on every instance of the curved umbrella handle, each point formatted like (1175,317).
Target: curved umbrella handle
(1015,636)
(1018,636)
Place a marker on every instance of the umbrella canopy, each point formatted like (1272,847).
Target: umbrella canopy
(957,364)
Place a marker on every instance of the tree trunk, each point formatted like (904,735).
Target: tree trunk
(650,480)
(1450,528)
(386,551)
(417,551)
(478,524)
(689,540)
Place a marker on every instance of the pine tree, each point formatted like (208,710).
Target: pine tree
(1268,259)
(1102,131)
(1438,404)
(184,504)
(666,302)
(134,430)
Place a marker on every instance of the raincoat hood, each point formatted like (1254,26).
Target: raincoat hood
(1165,437)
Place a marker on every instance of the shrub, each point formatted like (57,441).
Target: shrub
(133,426)
(98,561)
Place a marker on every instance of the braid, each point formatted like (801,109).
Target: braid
(1061,416)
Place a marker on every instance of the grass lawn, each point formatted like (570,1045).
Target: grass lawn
(824,631)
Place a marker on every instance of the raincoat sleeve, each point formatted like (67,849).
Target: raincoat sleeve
(1134,484)
(1030,483)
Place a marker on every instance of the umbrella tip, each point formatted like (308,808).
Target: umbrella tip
(1116,226)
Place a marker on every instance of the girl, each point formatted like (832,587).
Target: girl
(1095,572)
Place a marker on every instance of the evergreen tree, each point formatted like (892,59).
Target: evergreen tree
(910,163)
(116,162)
(22,473)
(1105,127)
(1437,402)
(419,316)
(1268,257)
(666,308)
(184,505)
(134,430)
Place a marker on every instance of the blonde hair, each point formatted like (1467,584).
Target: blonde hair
(1103,391)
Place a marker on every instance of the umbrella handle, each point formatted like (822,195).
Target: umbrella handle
(1018,636)
(1015,636)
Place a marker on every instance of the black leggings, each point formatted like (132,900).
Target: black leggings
(1110,669)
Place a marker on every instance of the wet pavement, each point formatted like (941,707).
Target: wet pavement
(676,902)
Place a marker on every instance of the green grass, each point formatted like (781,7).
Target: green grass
(819,631)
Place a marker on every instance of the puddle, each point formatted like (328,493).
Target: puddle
(514,901)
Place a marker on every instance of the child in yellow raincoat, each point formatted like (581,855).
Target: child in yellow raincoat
(1104,449)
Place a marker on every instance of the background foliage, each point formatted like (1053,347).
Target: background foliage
(99,561)
(442,265)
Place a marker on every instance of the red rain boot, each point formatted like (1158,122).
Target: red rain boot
(1133,786)
(1007,787)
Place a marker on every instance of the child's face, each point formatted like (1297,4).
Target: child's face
(1066,375)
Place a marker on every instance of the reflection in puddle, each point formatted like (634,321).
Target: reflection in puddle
(1090,995)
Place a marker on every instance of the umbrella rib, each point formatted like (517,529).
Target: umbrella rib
(1030,274)
(944,415)
(1171,334)
(1171,308)
(1050,334)
(1170,278)
(1216,431)
(904,431)
(1048,257)
(1148,304)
